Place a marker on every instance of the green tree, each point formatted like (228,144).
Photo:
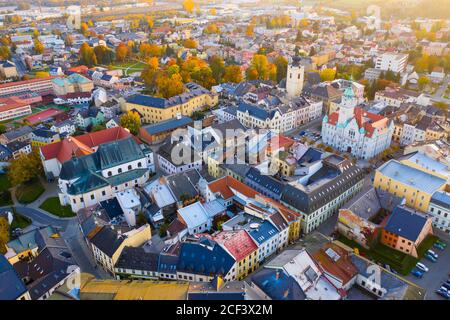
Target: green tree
(281,64)
(217,66)
(4,234)
(87,55)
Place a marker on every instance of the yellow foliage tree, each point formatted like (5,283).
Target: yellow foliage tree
(189,5)
(131,121)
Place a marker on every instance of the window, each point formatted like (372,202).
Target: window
(92,197)
(120,170)
(129,167)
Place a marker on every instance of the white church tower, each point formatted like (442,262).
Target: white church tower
(347,105)
(294,78)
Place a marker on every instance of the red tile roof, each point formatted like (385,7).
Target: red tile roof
(226,185)
(11,103)
(238,243)
(82,145)
(24,82)
(43,115)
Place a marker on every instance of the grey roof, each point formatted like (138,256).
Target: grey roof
(167,125)
(107,240)
(328,183)
(264,181)
(11,286)
(138,259)
(14,134)
(370,201)
(184,183)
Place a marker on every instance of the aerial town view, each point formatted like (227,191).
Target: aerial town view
(224,150)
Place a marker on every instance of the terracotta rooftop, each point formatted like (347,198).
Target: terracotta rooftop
(226,185)
(238,243)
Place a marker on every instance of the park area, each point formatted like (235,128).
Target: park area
(30,191)
(53,206)
(129,67)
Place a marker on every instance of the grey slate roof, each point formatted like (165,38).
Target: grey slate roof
(405,223)
(11,286)
(138,259)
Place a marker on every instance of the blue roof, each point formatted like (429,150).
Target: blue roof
(265,181)
(405,223)
(265,231)
(112,208)
(148,101)
(254,111)
(311,155)
(411,176)
(199,258)
(11,286)
(441,198)
(167,125)
(167,263)
(278,285)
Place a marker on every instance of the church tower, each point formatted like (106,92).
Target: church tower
(294,78)
(347,105)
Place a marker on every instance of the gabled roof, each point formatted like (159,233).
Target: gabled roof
(238,243)
(107,240)
(11,286)
(277,285)
(405,223)
(82,145)
(227,186)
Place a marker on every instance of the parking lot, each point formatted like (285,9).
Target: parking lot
(439,271)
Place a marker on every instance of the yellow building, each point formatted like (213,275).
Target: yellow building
(402,180)
(155,109)
(94,289)
(435,133)
(107,245)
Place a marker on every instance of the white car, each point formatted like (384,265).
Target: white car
(433,253)
(422,267)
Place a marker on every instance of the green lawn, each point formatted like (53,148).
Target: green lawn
(20,222)
(29,192)
(4,182)
(397,260)
(53,206)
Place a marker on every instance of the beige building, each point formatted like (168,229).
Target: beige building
(73,83)
(154,109)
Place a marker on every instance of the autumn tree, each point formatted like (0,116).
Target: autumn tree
(38,47)
(281,64)
(104,55)
(84,29)
(149,73)
(5,53)
(87,55)
(131,121)
(188,5)
(190,44)
(197,70)
(423,81)
(327,74)
(259,67)
(169,86)
(249,31)
(150,50)
(121,52)
(68,40)
(233,74)
(25,168)
(4,234)
(211,28)
(217,66)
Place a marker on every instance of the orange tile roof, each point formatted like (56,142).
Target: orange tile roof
(342,268)
(226,185)
(11,103)
(24,82)
(82,145)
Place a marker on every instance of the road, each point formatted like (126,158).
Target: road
(20,66)
(438,95)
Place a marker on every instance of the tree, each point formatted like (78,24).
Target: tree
(217,67)
(233,74)
(190,44)
(169,86)
(104,55)
(188,5)
(327,74)
(84,29)
(197,70)
(25,168)
(213,11)
(211,29)
(249,31)
(42,74)
(141,219)
(38,47)
(131,121)
(282,64)
(121,52)
(5,53)
(87,55)
(150,50)
(68,40)
(36,33)
(260,64)
(149,73)
(423,81)
(4,234)
(2,128)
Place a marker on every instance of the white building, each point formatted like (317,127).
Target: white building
(391,61)
(294,78)
(439,209)
(354,130)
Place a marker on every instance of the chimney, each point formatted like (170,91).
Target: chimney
(277,275)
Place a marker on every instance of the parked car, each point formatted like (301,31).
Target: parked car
(434,254)
(443,293)
(422,267)
(430,257)
(301,134)
(441,243)
(417,273)
(446,285)
(438,246)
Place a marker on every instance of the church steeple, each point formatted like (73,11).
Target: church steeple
(347,105)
